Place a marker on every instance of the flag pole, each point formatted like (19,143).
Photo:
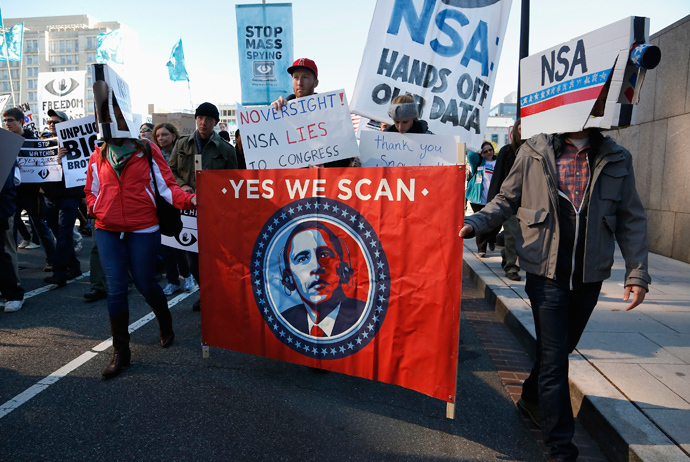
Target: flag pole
(190,94)
(524,45)
(6,52)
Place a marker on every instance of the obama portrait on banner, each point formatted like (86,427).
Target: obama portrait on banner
(315,264)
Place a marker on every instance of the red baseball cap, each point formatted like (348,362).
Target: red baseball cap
(304,62)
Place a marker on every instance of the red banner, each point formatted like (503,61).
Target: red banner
(353,270)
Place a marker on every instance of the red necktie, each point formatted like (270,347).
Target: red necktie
(316,331)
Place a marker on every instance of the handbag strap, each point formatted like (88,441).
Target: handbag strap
(149,156)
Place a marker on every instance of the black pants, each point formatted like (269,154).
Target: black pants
(484,238)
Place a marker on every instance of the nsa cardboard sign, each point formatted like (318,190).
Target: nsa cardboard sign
(590,81)
(443,52)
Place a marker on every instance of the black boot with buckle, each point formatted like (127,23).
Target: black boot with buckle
(119,327)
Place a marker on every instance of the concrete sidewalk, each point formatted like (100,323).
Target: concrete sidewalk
(630,374)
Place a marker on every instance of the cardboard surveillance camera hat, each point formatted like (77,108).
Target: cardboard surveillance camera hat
(590,81)
(113,105)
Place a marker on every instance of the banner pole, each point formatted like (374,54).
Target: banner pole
(524,44)
(191,103)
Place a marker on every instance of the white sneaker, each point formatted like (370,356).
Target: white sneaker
(189,283)
(23,244)
(171,289)
(32,245)
(13,305)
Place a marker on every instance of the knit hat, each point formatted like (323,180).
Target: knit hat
(208,110)
(403,111)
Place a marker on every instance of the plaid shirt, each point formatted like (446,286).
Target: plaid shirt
(573,172)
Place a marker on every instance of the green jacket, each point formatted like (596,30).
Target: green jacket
(217,155)
(614,211)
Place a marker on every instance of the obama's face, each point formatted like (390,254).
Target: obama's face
(313,263)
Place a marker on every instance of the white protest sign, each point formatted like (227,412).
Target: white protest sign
(389,149)
(61,91)
(78,137)
(187,239)
(307,131)
(10,144)
(443,53)
(3,101)
(560,86)
(29,122)
(110,91)
(38,161)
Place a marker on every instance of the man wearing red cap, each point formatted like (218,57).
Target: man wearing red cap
(305,78)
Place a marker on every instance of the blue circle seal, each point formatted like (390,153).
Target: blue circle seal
(320,278)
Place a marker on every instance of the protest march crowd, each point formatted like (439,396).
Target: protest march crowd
(561,199)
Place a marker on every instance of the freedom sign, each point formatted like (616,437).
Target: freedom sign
(391,149)
(61,91)
(560,86)
(264,39)
(355,270)
(78,137)
(306,131)
(38,161)
(444,53)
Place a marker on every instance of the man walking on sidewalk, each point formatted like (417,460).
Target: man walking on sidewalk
(572,194)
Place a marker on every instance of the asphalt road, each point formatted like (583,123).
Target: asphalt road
(174,405)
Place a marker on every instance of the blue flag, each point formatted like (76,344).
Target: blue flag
(110,48)
(11,43)
(175,65)
(264,39)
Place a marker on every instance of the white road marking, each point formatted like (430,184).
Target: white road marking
(87,356)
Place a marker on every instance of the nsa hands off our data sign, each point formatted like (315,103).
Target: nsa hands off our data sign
(445,53)
(307,131)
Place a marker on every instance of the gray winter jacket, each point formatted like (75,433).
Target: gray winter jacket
(614,210)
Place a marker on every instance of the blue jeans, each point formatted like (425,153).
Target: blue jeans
(61,215)
(560,317)
(136,252)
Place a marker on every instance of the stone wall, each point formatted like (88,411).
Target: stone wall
(660,144)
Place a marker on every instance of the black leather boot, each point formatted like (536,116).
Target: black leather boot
(119,327)
(165,323)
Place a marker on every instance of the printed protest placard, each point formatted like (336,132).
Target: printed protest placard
(185,123)
(264,39)
(560,86)
(307,131)
(61,91)
(444,53)
(38,161)
(10,144)
(356,270)
(187,239)
(110,91)
(29,122)
(389,149)
(79,138)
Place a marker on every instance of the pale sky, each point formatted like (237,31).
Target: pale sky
(332,32)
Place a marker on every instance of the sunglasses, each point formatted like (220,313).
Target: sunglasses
(145,130)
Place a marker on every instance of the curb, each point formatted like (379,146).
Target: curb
(622,430)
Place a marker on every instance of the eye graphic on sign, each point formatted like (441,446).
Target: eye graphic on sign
(44,173)
(186,237)
(264,69)
(61,87)
(320,278)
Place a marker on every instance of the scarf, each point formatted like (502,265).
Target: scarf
(119,155)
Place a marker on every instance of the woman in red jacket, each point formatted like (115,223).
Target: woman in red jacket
(120,194)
